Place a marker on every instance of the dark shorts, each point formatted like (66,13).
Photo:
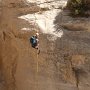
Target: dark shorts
(34,45)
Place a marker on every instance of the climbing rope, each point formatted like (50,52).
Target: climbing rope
(38,51)
(37,62)
(37,31)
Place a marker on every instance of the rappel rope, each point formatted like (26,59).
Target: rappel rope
(38,48)
(37,64)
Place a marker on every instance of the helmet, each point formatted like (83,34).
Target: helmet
(37,34)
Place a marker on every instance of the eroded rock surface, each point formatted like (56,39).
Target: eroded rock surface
(62,64)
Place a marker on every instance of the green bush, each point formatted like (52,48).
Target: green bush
(77,7)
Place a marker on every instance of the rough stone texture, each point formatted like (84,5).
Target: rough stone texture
(62,65)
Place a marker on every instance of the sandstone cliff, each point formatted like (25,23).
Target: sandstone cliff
(62,64)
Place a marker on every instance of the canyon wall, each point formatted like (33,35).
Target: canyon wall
(63,64)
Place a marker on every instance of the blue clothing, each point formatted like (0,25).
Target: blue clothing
(33,41)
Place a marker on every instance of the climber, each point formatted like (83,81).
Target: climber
(35,41)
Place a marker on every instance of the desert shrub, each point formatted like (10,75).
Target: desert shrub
(77,7)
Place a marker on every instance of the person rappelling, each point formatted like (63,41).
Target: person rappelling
(34,40)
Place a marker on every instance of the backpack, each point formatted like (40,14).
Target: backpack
(33,40)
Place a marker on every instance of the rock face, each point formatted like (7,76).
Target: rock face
(63,64)
(46,16)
